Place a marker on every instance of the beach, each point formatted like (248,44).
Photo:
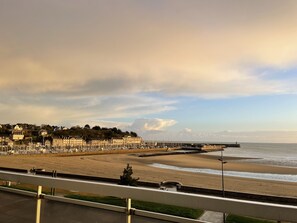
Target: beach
(112,165)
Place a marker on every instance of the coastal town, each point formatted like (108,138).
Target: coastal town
(32,139)
(44,139)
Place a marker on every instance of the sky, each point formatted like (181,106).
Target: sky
(193,70)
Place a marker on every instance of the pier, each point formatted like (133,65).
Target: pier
(174,148)
(191,146)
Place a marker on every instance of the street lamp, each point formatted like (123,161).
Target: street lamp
(223,185)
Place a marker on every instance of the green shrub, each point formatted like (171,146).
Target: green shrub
(126,178)
(143,205)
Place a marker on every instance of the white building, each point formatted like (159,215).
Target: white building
(17,133)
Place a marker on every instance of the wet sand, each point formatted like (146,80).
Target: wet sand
(112,165)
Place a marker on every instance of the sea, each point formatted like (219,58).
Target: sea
(275,154)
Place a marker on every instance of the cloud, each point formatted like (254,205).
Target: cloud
(152,125)
(185,48)
(106,60)
(34,114)
(256,136)
(108,124)
(225,136)
(79,110)
(187,130)
(145,127)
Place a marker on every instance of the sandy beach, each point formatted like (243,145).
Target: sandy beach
(112,165)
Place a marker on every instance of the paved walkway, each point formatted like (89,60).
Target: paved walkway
(211,216)
(16,208)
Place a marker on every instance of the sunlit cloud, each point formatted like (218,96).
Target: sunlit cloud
(187,130)
(152,125)
(178,49)
(80,110)
(70,62)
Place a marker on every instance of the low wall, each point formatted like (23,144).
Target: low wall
(185,189)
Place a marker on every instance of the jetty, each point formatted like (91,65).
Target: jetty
(191,146)
(175,148)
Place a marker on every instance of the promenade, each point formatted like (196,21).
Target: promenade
(15,208)
(44,210)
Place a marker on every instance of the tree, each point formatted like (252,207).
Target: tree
(96,127)
(126,178)
(134,134)
(87,126)
(108,134)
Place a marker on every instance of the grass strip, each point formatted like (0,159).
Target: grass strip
(143,205)
(240,219)
(31,188)
(167,209)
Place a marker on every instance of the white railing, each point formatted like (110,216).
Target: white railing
(240,207)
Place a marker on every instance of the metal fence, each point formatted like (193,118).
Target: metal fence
(262,210)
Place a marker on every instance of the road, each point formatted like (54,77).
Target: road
(16,208)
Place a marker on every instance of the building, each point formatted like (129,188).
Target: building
(98,143)
(68,142)
(47,144)
(17,133)
(43,132)
(132,140)
(117,142)
(127,141)
(76,142)
(79,142)
(6,141)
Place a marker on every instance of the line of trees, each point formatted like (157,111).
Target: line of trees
(86,132)
(96,132)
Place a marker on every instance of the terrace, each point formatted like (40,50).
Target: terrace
(43,211)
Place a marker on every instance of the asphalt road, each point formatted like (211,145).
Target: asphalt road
(16,208)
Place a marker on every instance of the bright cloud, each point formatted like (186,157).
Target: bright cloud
(187,130)
(152,125)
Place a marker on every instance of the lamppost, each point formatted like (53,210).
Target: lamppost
(2,140)
(223,183)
